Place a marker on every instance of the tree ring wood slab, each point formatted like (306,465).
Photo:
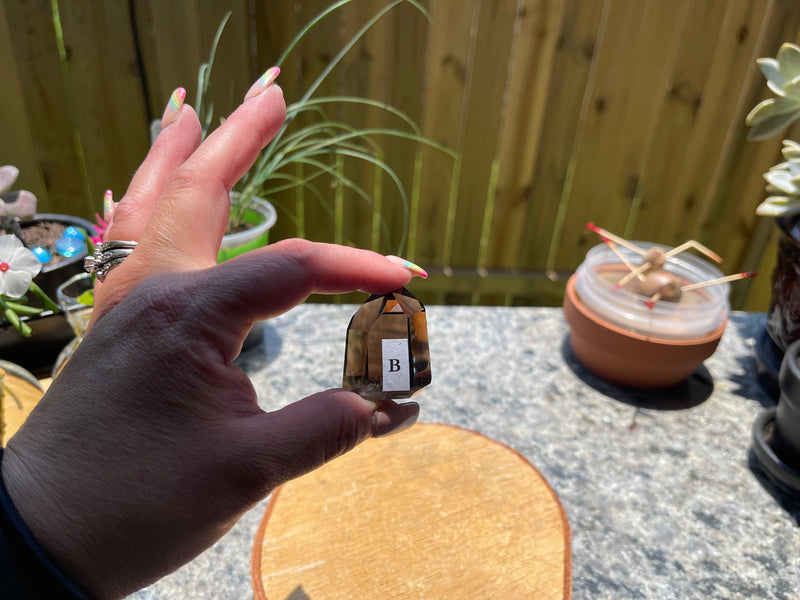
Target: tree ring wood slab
(28,392)
(434,512)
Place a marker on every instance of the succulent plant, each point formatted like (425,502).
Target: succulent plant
(783,184)
(18,203)
(773,115)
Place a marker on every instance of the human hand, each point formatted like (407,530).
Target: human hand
(150,444)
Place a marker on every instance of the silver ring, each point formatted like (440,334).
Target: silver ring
(108,255)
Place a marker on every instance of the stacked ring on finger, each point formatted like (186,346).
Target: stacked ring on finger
(108,255)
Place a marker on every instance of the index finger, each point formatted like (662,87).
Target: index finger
(190,218)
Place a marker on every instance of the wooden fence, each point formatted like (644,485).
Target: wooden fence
(628,113)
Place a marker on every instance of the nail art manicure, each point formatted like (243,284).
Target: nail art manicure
(267,79)
(173,108)
(416,270)
(108,206)
(393,418)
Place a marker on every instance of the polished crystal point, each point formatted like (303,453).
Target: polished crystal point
(386,356)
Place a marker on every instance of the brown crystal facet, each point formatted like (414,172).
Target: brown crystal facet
(386,356)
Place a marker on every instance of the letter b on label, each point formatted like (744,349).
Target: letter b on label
(396,368)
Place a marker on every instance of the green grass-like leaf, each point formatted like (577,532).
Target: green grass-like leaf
(319,148)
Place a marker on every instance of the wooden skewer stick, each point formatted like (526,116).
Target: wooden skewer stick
(637,272)
(702,284)
(620,256)
(651,302)
(697,246)
(614,238)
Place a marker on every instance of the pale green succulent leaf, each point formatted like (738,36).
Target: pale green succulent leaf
(781,180)
(769,68)
(776,206)
(772,126)
(793,168)
(776,89)
(760,113)
(790,145)
(792,88)
(771,108)
(789,61)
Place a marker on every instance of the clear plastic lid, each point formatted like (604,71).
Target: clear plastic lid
(698,312)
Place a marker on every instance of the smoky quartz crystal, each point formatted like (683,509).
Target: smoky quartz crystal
(386,354)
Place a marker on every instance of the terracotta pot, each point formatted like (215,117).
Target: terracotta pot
(628,358)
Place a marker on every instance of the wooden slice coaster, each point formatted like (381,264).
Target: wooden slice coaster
(436,512)
(21,396)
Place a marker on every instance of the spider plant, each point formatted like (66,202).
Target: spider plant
(318,149)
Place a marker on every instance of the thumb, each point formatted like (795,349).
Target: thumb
(303,436)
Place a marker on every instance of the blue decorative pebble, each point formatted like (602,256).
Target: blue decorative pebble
(69,245)
(43,253)
(74,232)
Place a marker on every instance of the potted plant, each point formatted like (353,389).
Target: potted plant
(317,146)
(39,251)
(776,432)
(767,119)
(645,315)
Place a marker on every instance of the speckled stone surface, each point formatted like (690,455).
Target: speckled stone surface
(662,491)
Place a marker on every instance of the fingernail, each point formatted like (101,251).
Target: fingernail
(173,107)
(269,77)
(415,269)
(108,206)
(393,418)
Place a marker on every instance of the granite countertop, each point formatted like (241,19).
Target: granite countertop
(662,491)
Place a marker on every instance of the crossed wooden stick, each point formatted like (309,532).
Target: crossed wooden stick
(654,259)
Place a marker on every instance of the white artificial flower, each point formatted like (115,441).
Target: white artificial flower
(18,267)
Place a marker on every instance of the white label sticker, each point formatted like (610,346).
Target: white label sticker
(396,370)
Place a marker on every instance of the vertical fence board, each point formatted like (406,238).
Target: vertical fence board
(487,82)
(688,195)
(602,134)
(317,50)
(363,73)
(44,93)
(677,119)
(539,23)
(18,147)
(578,41)
(407,35)
(653,58)
(173,34)
(275,24)
(110,114)
(446,73)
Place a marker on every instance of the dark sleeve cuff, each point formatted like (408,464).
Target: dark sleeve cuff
(26,572)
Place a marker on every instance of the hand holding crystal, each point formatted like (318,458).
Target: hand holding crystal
(149,445)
